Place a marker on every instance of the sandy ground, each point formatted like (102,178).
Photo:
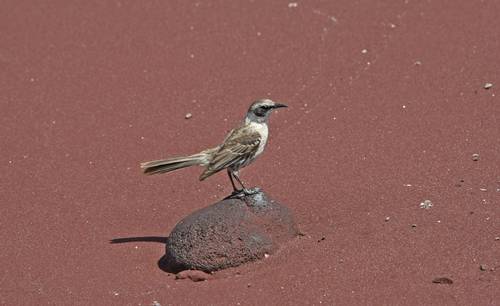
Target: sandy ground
(387,107)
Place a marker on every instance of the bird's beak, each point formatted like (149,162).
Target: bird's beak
(278,105)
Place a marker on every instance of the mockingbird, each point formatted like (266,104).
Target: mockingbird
(241,147)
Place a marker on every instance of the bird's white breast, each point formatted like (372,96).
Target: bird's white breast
(263,130)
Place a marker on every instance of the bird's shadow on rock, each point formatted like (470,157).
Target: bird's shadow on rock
(163,263)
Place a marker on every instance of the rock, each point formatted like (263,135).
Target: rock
(442,280)
(427,204)
(194,275)
(228,233)
(488,85)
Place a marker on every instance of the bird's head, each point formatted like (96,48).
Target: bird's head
(260,110)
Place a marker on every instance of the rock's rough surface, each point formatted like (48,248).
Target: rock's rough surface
(229,233)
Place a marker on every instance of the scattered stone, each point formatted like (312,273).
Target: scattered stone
(483,189)
(497,238)
(387,219)
(293,4)
(427,204)
(475,157)
(488,85)
(322,238)
(194,275)
(414,225)
(188,116)
(156,303)
(442,280)
(483,267)
(417,63)
(364,51)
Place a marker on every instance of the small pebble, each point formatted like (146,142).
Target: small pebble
(442,280)
(475,157)
(194,275)
(387,219)
(483,267)
(188,116)
(427,204)
(488,85)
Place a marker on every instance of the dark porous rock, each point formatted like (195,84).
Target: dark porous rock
(236,230)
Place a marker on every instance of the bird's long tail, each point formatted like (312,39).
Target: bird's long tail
(171,164)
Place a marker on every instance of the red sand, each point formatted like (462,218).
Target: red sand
(89,90)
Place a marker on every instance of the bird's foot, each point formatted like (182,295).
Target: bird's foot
(244,192)
(251,191)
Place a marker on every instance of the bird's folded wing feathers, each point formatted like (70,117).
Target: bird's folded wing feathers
(241,144)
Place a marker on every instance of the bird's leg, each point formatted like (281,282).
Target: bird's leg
(230,174)
(245,190)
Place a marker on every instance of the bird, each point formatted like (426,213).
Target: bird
(240,148)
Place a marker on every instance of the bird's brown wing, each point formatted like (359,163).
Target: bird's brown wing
(241,144)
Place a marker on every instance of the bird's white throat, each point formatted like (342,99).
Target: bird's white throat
(263,130)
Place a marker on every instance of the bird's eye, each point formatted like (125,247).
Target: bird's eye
(260,111)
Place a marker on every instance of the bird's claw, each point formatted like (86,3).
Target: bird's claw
(251,191)
(244,192)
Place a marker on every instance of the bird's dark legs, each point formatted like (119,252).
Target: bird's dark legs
(230,174)
(245,190)
(236,191)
